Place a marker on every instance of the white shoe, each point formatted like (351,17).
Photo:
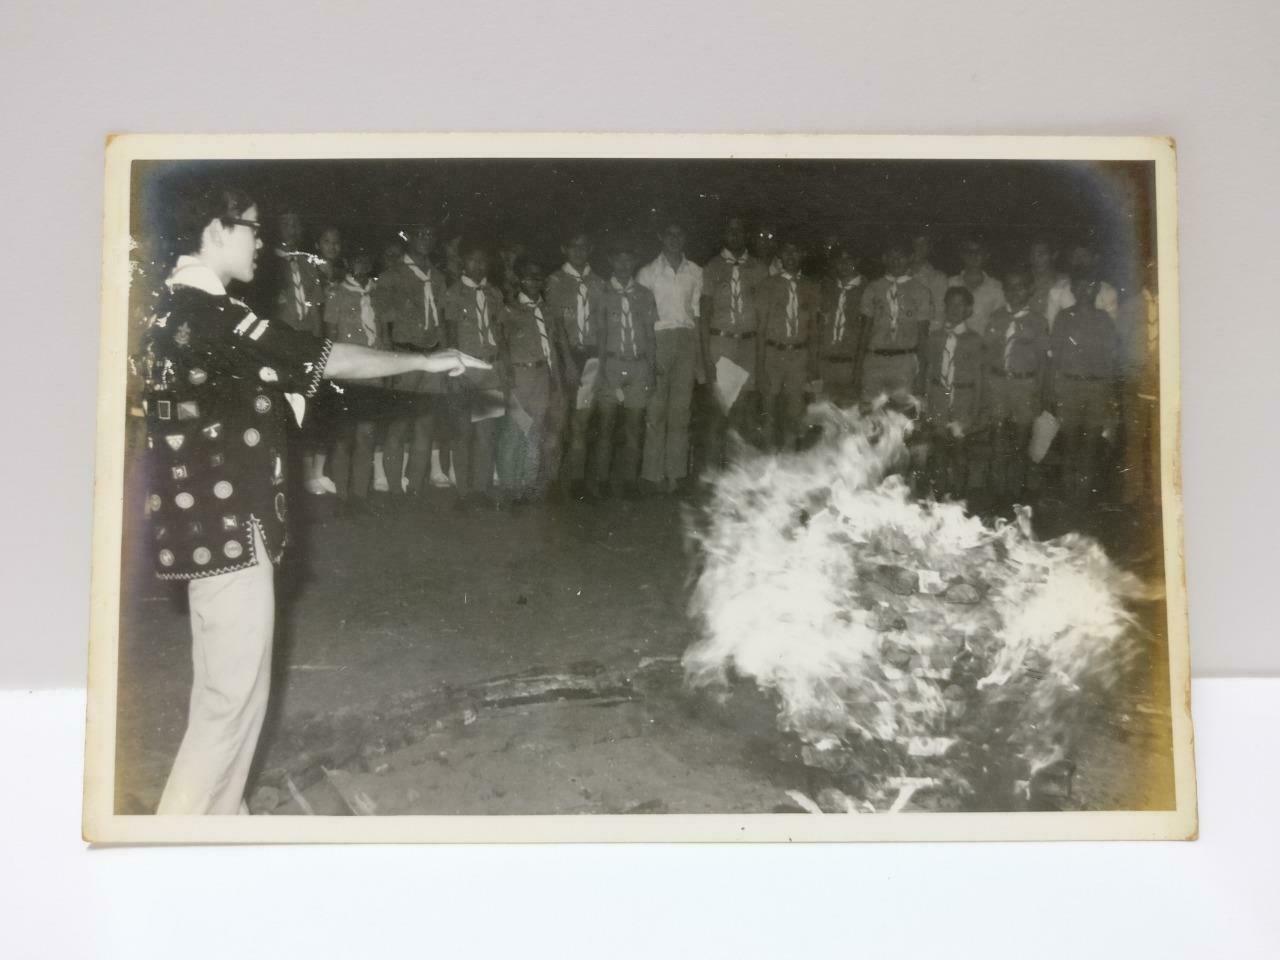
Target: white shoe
(329,485)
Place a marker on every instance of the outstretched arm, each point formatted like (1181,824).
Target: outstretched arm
(354,362)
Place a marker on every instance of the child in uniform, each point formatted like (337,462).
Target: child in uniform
(788,325)
(899,311)
(472,308)
(629,315)
(1016,351)
(953,399)
(842,337)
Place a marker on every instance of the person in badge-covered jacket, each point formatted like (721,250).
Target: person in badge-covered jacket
(220,383)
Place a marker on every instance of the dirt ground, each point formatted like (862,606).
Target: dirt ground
(523,661)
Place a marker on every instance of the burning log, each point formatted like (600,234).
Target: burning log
(909,643)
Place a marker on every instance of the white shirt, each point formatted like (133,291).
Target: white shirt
(987,299)
(676,291)
(1061,297)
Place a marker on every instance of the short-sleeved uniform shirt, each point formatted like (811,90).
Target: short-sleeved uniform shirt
(575,302)
(900,311)
(472,313)
(729,313)
(215,383)
(775,324)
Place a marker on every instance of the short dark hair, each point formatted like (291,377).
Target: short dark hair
(200,207)
(964,293)
(526,265)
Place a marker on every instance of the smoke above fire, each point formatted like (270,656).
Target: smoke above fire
(910,644)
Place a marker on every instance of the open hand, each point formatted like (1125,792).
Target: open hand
(453,362)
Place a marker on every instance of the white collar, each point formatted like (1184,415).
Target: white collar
(850,284)
(663,263)
(786,276)
(734,260)
(468,282)
(902,279)
(1021,313)
(528,301)
(353,285)
(619,287)
(191,271)
(569,269)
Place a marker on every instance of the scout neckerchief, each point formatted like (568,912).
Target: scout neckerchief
(584,303)
(892,297)
(482,310)
(948,373)
(367,325)
(1011,334)
(735,284)
(628,328)
(543,339)
(837,331)
(295,277)
(793,305)
(430,314)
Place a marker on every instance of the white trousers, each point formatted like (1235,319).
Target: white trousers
(232,622)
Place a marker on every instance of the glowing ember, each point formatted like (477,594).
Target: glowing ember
(912,647)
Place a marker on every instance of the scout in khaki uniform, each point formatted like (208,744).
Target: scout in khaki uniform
(349,317)
(1016,348)
(788,327)
(730,319)
(408,300)
(532,359)
(471,311)
(842,340)
(899,311)
(953,398)
(220,384)
(1083,354)
(629,315)
(574,300)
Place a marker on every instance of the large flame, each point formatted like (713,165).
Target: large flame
(909,643)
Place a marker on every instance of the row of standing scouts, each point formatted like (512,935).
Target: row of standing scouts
(598,376)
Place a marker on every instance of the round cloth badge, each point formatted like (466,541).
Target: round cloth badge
(184,500)
(166,558)
(201,555)
(262,403)
(233,549)
(197,376)
(280,506)
(268,375)
(154,502)
(222,489)
(251,437)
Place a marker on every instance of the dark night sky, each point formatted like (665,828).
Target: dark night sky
(1008,202)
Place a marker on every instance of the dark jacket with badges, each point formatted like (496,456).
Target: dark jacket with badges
(215,379)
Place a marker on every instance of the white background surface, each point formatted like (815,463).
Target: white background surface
(1211,898)
(1205,73)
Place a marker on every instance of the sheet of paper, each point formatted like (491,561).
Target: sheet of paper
(730,379)
(487,405)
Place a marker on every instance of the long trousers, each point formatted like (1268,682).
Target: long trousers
(666,441)
(232,623)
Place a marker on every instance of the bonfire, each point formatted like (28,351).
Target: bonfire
(921,656)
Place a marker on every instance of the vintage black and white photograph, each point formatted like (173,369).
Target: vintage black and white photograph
(559,487)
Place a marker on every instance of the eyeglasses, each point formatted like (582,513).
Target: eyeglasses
(253,225)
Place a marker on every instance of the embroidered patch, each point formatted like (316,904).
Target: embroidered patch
(175,440)
(195,529)
(222,489)
(188,410)
(184,500)
(201,555)
(280,506)
(161,533)
(166,558)
(212,431)
(277,470)
(229,521)
(251,437)
(153,502)
(216,460)
(197,376)
(179,472)
(262,403)
(233,549)
(163,410)
(268,375)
